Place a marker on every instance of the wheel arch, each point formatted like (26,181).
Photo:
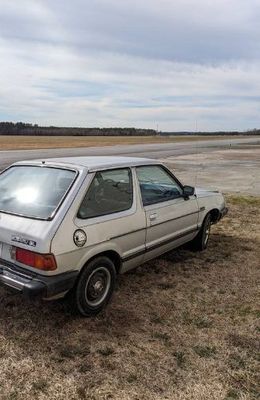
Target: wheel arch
(214,215)
(113,255)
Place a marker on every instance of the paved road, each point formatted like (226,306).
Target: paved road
(156,151)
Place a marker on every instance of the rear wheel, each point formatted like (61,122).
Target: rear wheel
(95,286)
(200,242)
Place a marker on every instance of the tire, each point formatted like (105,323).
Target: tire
(200,242)
(94,287)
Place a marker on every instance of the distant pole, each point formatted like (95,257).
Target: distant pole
(196,126)
(157,128)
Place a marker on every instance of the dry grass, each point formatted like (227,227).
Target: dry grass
(47,142)
(181,327)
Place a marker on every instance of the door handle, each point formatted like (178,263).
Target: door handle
(153,216)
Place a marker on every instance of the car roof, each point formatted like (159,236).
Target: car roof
(93,163)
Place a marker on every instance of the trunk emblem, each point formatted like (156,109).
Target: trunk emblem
(19,239)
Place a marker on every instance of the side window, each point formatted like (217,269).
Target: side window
(110,191)
(157,184)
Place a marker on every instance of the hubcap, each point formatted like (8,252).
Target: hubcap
(97,286)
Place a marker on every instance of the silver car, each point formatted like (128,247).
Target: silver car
(70,225)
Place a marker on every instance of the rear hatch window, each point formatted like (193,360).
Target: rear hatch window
(34,191)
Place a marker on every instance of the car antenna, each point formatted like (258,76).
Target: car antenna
(196,153)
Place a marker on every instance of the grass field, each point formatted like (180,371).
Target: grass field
(182,327)
(45,142)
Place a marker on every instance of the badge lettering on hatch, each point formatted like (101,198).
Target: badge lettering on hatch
(19,239)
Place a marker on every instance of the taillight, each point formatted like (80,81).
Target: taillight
(45,262)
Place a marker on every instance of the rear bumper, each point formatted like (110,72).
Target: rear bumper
(34,285)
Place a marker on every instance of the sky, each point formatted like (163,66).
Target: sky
(173,64)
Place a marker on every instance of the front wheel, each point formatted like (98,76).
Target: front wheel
(200,242)
(95,286)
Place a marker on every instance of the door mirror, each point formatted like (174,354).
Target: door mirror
(188,191)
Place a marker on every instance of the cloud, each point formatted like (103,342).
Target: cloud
(110,63)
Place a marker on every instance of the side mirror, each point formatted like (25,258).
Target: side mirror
(188,191)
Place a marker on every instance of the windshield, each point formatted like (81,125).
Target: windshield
(33,191)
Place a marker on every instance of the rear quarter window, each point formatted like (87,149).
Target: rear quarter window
(110,192)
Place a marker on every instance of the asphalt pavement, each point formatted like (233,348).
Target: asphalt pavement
(154,151)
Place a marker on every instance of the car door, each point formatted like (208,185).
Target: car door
(171,219)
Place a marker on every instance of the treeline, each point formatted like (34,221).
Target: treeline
(26,129)
(217,133)
(23,129)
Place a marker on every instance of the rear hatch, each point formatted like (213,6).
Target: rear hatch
(24,233)
(30,196)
